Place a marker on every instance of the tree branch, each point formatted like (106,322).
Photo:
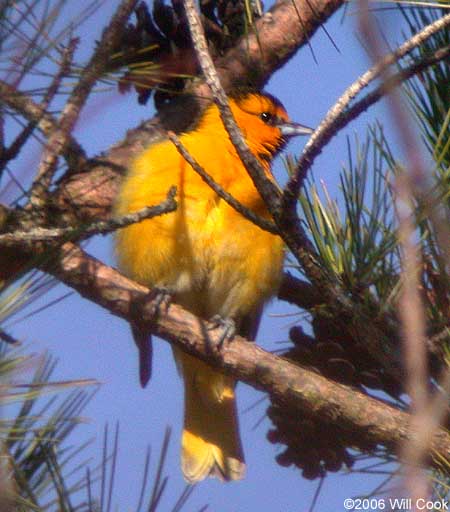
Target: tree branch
(45,122)
(81,232)
(90,192)
(268,190)
(69,116)
(296,388)
(228,198)
(329,126)
(287,26)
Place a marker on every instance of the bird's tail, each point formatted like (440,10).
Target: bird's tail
(211,445)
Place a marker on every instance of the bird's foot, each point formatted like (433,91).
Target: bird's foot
(162,298)
(228,326)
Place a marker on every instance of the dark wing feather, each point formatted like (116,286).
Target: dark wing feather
(143,341)
(249,324)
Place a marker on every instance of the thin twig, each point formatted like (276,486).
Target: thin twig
(8,338)
(103,227)
(63,71)
(268,190)
(228,198)
(331,123)
(394,80)
(292,233)
(13,150)
(45,122)
(410,306)
(91,73)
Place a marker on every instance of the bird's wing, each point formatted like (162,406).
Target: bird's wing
(249,324)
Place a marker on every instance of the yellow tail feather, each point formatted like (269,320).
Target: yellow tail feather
(211,445)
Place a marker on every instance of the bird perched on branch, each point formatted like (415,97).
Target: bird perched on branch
(213,261)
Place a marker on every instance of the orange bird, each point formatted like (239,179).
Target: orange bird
(213,261)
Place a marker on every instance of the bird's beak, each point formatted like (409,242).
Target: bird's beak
(288,129)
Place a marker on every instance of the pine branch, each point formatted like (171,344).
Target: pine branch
(281,35)
(298,389)
(337,117)
(328,127)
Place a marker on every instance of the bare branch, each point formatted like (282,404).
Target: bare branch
(7,338)
(13,150)
(63,71)
(81,232)
(329,126)
(268,190)
(59,138)
(296,388)
(410,307)
(391,82)
(34,112)
(228,198)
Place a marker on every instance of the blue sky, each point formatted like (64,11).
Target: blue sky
(91,343)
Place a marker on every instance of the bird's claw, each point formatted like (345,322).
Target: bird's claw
(162,297)
(228,326)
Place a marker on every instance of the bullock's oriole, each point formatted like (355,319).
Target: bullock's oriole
(213,260)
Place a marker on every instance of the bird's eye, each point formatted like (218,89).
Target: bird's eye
(267,117)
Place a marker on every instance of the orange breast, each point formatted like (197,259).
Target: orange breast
(213,259)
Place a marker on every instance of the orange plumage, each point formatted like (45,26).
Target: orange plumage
(213,260)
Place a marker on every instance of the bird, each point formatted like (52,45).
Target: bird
(210,258)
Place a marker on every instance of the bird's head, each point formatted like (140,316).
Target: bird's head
(264,123)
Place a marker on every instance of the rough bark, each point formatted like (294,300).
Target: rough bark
(280,33)
(299,390)
(86,193)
